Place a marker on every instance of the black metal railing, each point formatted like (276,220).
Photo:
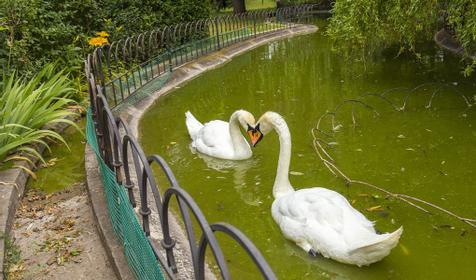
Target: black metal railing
(125,66)
(122,154)
(117,71)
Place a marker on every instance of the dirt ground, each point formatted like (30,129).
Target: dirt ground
(54,237)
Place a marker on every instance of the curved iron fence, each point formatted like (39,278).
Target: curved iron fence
(121,155)
(125,66)
(116,72)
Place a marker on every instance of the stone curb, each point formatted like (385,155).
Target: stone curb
(447,41)
(12,187)
(97,198)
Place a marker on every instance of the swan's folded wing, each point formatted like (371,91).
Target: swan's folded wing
(215,134)
(310,209)
(351,225)
(215,140)
(321,208)
(311,217)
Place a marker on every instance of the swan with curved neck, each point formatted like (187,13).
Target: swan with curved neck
(221,139)
(319,220)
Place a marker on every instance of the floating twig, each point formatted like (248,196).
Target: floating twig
(330,164)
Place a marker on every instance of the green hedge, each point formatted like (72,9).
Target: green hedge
(35,32)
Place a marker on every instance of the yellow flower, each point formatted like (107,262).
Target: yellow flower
(103,34)
(98,41)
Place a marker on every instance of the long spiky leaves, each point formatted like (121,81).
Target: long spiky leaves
(29,108)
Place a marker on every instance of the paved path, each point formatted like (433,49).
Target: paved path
(56,238)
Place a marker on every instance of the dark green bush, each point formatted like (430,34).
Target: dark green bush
(126,17)
(35,32)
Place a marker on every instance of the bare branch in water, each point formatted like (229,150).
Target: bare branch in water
(330,164)
(431,98)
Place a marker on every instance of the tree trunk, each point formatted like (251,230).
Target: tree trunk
(221,4)
(239,6)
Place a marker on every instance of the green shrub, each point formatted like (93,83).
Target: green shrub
(29,107)
(36,32)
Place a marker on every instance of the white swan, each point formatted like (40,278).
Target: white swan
(320,220)
(221,139)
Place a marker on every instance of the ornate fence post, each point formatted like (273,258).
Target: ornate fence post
(254,24)
(169,58)
(218,33)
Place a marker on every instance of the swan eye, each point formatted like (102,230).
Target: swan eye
(250,128)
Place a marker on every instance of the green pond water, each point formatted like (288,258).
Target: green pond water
(66,163)
(428,153)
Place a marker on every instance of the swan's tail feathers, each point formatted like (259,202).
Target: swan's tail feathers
(376,249)
(193,125)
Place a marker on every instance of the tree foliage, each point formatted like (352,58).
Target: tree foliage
(35,32)
(366,26)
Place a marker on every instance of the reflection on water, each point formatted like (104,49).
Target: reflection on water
(65,163)
(236,171)
(424,151)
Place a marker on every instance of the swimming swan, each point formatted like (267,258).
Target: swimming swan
(221,139)
(320,220)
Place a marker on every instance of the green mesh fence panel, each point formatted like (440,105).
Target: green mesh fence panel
(144,79)
(148,89)
(139,81)
(139,253)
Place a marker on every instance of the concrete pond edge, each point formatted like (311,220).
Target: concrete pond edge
(114,250)
(446,40)
(132,116)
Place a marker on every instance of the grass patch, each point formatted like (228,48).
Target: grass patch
(260,4)
(256,5)
(13,266)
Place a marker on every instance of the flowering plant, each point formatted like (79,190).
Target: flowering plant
(100,39)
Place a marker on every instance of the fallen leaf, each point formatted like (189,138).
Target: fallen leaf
(374,208)
(404,250)
(51,260)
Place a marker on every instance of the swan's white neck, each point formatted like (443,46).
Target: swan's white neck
(239,143)
(281,183)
